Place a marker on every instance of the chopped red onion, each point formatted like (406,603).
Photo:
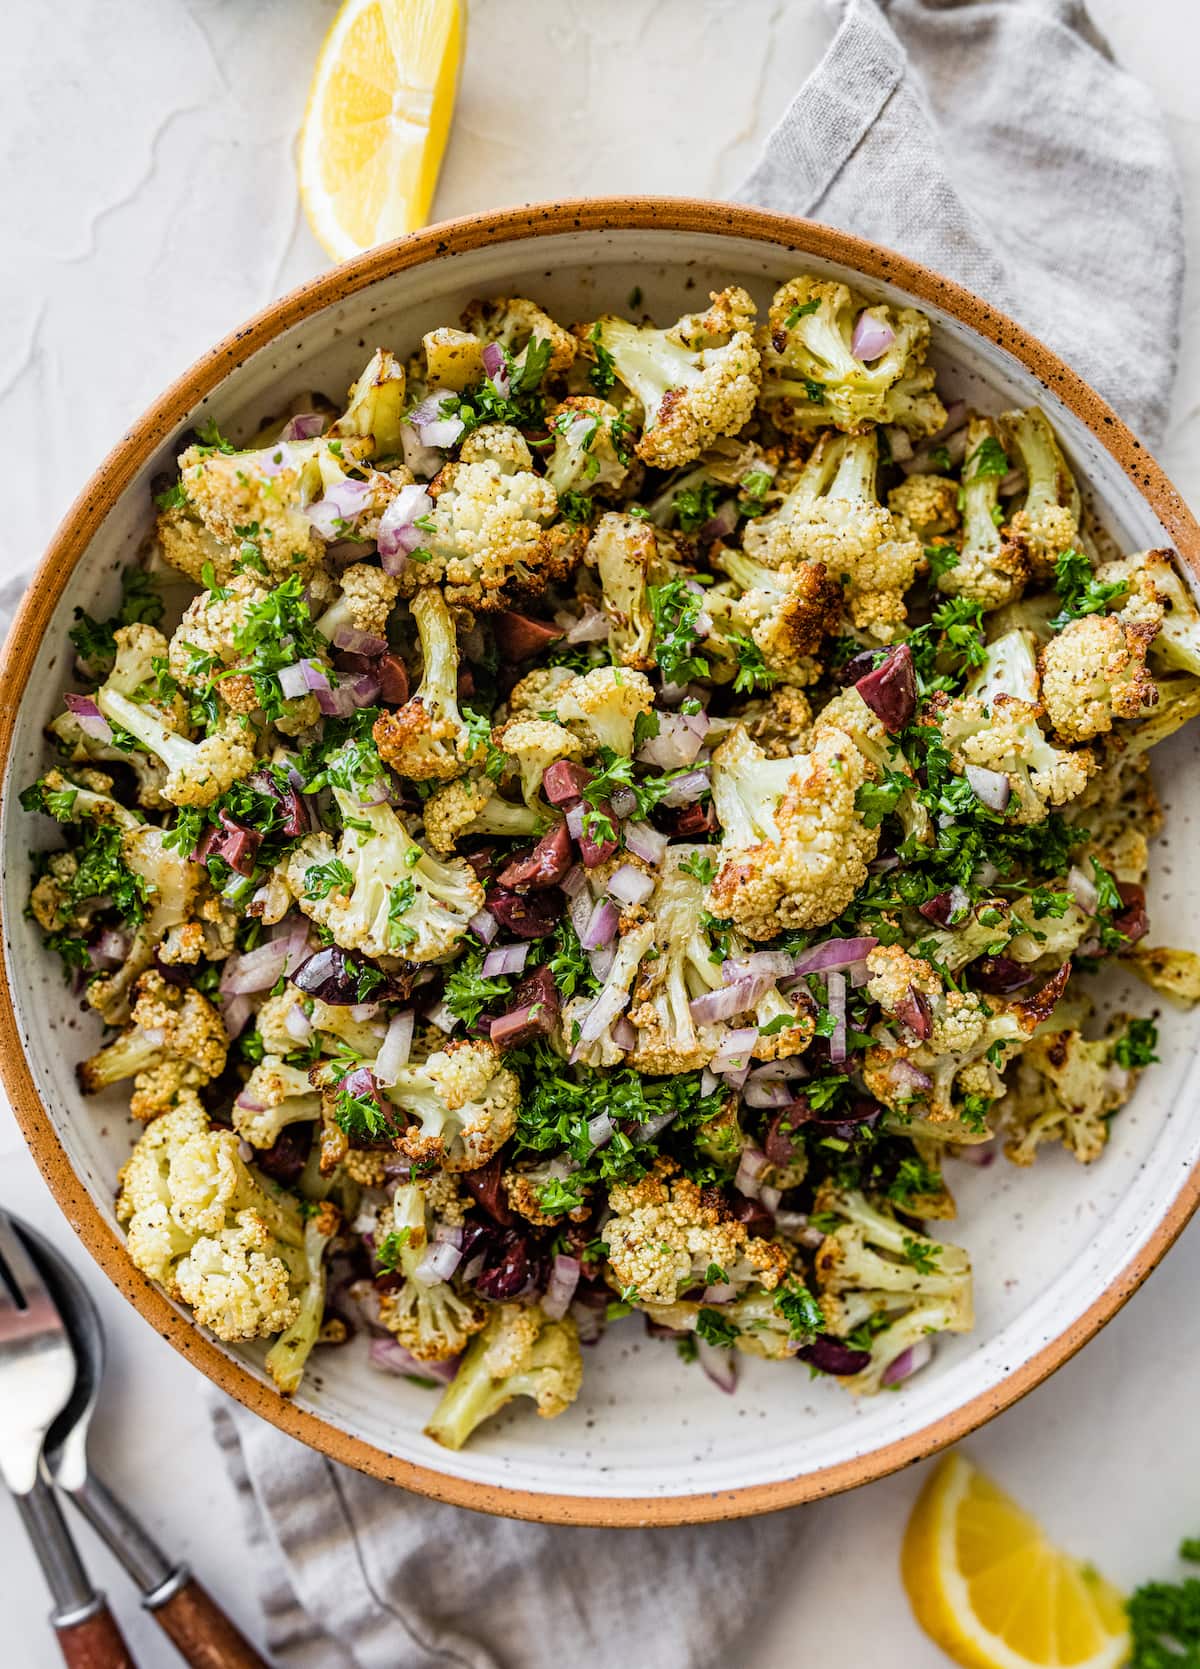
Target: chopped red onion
(833,954)
(484,926)
(908,1362)
(574,817)
(113,945)
(601,1130)
(343,503)
(355,642)
(91,720)
(680,738)
(292,681)
(589,627)
(903,1075)
(770,1197)
(899,443)
(720,525)
(273,460)
(772,963)
(1083,890)
(991,788)
(835,992)
(438,1264)
(780,1072)
(442,1017)
(424,461)
(337,704)
(255,970)
(624,802)
(708,1081)
(871,336)
(751,1165)
(505,959)
(719,1365)
(603,921)
(574,881)
(624,1035)
(734,1052)
(758,1094)
(395,1049)
(235,1011)
(980,1154)
(496,366)
(306,425)
(629,885)
(793,1225)
(685,790)
(646,843)
(411,503)
(390,1356)
(560,1289)
(734,998)
(297,1024)
(600,961)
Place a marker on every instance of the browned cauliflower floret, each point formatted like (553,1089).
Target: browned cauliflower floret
(1047,524)
(992,567)
(602,706)
(1094,672)
(366,601)
(696,381)
(787,612)
(1173,973)
(177,1041)
(831,515)
(464,1103)
(538,691)
(814,374)
(794,850)
(427,738)
(490,537)
(515,322)
(520,1353)
(593,447)
(664,1236)
(431,1318)
(928,503)
(1066,1090)
(1007,741)
(473,806)
(780,723)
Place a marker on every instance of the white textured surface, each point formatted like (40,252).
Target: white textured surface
(146,178)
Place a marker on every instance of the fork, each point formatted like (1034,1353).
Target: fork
(37,1372)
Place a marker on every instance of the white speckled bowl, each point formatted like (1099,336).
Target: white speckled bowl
(1056,1249)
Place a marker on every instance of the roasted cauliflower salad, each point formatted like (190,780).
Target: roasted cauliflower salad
(606,824)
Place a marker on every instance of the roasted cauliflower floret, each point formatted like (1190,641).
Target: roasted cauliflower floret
(927,503)
(592,447)
(664,1236)
(217,1235)
(473,806)
(630,556)
(367,598)
(696,381)
(1066,1090)
(534,745)
(831,515)
(176,1041)
(518,1354)
(398,901)
(1008,740)
(794,850)
(780,722)
(432,1319)
(197,772)
(1175,974)
(516,322)
(464,1103)
(814,369)
(1093,673)
(602,706)
(787,612)
(1047,524)
(872,1268)
(1155,594)
(490,537)
(427,738)
(274,1096)
(992,568)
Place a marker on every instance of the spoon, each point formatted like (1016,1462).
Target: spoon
(202,1633)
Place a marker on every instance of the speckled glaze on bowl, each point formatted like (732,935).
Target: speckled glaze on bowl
(1056,1249)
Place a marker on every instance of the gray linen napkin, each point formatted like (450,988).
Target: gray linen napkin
(997,141)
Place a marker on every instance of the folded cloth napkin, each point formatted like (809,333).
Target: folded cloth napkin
(997,141)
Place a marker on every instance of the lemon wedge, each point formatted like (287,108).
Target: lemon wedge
(377,120)
(987,1586)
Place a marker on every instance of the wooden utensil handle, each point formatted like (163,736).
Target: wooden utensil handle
(204,1636)
(94,1641)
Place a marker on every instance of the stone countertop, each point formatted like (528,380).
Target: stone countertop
(149,205)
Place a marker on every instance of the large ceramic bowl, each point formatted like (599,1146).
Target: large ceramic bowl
(1056,1249)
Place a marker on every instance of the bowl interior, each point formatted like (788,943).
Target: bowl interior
(1046,1243)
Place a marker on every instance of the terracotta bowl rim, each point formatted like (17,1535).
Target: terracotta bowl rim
(67,547)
